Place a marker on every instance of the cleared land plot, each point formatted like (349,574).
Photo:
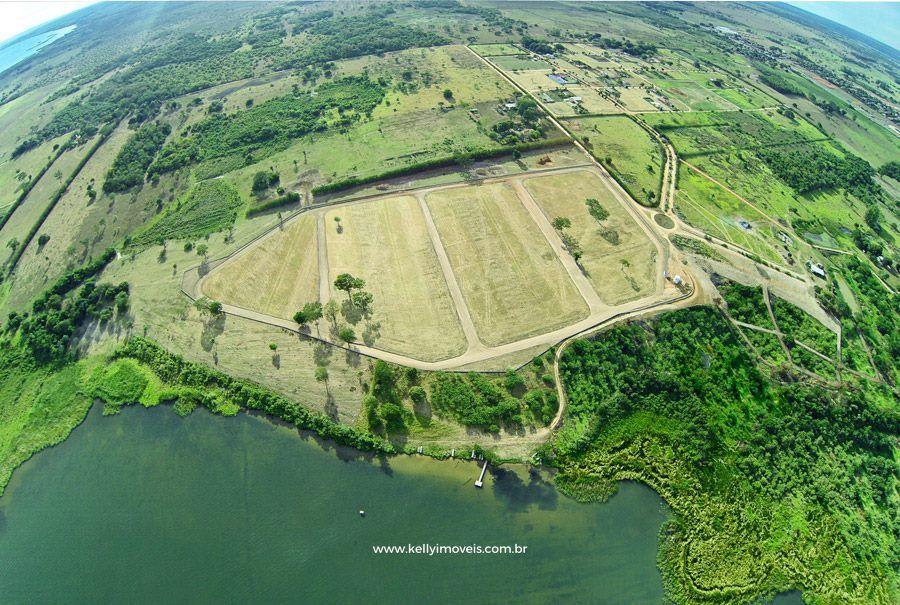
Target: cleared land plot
(636,158)
(714,210)
(592,101)
(619,259)
(635,98)
(513,283)
(519,63)
(386,243)
(694,95)
(492,50)
(276,276)
(534,80)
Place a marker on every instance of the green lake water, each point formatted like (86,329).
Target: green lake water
(147,507)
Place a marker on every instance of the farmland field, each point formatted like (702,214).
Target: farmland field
(636,158)
(519,63)
(276,276)
(386,243)
(513,283)
(651,242)
(619,259)
(492,50)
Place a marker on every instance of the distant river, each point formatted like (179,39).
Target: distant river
(21,50)
(147,507)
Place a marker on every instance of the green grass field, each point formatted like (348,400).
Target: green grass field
(28,213)
(493,50)
(714,210)
(513,283)
(636,158)
(619,259)
(519,63)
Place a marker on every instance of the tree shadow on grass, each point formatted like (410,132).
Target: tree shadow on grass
(212,328)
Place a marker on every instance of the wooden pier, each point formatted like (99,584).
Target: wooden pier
(480,481)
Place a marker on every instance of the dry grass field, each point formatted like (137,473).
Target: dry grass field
(27,214)
(72,239)
(386,243)
(276,276)
(235,345)
(513,283)
(619,259)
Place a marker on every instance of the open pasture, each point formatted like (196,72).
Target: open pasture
(512,281)
(619,258)
(386,243)
(712,209)
(35,203)
(627,150)
(493,50)
(519,63)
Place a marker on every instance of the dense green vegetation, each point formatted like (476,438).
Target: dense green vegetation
(130,166)
(193,384)
(42,393)
(271,126)
(745,303)
(473,400)
(208,207)
(335,37)
(39,406)
(877,320)
(796,324)
(774,486)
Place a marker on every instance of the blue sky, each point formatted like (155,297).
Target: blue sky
(879,20)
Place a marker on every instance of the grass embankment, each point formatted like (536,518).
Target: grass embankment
(775,486)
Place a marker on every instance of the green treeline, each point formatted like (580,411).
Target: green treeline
(810,168)
(774,486)
(56,315)
(458,159)
(333,37)
(185,64)
(130,166)
(473,400)
(209,388)
(283,200)
(272,125)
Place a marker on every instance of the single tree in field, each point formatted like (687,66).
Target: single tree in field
(202,250)
(347,334)
(331,310)
(448,94)
(312,311)
(215,307)
(561,222)
(362,300)
(347,282)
